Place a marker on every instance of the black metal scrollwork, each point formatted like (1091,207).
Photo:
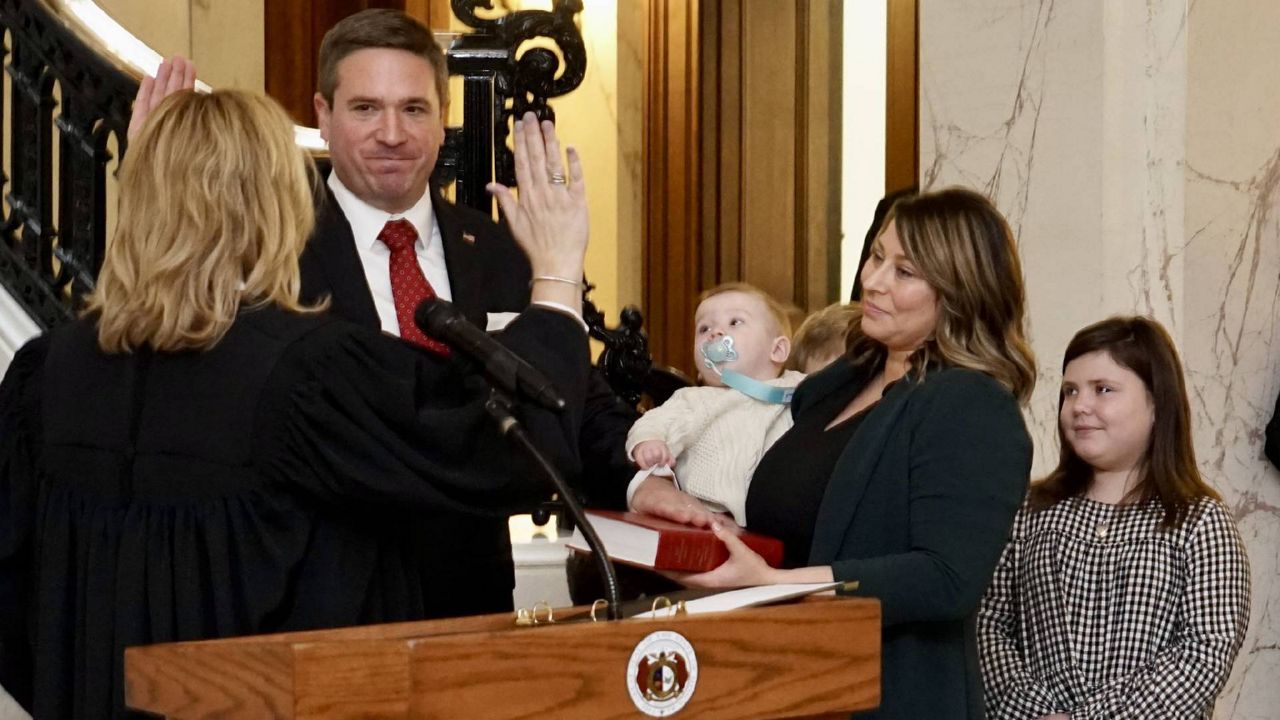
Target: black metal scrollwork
(49,263)
(500,81)
(625,361)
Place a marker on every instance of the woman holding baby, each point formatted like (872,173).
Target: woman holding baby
(909,456)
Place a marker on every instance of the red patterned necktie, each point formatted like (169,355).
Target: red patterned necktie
(409,287)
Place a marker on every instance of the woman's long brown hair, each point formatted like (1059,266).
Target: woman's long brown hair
(965,250)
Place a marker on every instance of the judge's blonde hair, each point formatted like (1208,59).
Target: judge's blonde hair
(215,208)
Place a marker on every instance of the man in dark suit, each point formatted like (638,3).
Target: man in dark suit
(381,106)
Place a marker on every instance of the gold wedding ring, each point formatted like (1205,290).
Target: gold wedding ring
(557,178)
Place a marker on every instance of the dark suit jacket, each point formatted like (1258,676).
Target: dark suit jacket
(1272,447)
(488,272)
(917,510)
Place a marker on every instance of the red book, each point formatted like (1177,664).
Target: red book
(651,542)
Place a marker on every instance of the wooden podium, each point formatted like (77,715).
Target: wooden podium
(814,657)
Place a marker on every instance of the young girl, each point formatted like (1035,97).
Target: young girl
(1124,591)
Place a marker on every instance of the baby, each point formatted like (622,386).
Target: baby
(713,435)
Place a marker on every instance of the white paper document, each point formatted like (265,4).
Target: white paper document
(744,597)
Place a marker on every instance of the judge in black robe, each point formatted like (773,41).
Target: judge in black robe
(268,477)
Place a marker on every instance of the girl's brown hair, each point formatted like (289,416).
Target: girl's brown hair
(1168,472)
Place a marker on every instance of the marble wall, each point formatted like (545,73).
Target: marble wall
(1135,148)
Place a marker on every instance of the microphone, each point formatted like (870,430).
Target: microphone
(516,378)
(440,319)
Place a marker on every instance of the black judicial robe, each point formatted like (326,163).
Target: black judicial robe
(272,483)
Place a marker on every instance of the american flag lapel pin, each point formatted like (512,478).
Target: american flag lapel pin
(468,238)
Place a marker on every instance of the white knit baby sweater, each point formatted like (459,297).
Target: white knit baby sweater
(718,436)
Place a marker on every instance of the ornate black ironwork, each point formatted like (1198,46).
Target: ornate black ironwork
(49,263)
(502,81)
(626,361)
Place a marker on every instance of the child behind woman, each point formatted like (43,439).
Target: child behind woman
(1124,591)
(822,337)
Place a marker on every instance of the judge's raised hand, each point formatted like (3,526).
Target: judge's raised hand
(175,74)
(549,220)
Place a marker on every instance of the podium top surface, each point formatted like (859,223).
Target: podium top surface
(817,656)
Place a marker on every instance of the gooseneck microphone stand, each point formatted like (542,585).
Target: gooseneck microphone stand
(499,408)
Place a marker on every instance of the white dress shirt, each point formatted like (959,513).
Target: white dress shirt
(366,222)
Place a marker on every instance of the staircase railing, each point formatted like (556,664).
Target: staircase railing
(49,263)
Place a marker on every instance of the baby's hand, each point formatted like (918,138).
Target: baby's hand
(652,453)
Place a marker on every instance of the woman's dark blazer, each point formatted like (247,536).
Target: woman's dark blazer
(917,510)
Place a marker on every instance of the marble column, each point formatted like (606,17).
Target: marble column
(1135,148)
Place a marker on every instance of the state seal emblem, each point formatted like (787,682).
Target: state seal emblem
(662,673)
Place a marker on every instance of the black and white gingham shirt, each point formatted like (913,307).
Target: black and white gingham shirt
(1097,612)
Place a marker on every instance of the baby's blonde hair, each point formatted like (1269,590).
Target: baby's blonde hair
(777,310)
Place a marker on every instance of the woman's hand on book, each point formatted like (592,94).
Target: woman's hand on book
(745,567)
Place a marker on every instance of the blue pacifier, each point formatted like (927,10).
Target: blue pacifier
(718,352)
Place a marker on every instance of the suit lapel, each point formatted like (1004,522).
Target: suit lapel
(334,247)
(853,472)
(464,258)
